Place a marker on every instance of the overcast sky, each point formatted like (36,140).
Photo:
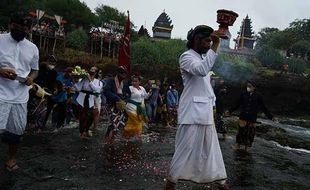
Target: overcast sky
(187,14)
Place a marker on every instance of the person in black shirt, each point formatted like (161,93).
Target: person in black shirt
(47,80)
(220,92)
(47,74)
(250,102)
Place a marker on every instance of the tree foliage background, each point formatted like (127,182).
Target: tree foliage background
(294,41)
(148,53)
(77,39)
(75,12)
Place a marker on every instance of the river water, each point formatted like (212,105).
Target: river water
(60,161)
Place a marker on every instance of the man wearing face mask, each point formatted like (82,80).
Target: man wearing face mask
(47,74)
(250,102)
(18,68)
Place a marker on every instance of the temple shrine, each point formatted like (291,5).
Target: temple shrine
(162,27)
(143,32)
(246,38)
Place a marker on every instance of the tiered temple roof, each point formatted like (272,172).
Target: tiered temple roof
(143,32)
(162,27)
(246,36)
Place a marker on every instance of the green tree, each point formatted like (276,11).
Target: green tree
(270,57)
(283,39)
(297,31)
(9,6)
(106,14)
(296,65)
(149,54)
(301,48)
(76,13)
(77,39)
(301,28)
(265,36)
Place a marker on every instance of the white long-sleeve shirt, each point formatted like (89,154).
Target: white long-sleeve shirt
(197,98)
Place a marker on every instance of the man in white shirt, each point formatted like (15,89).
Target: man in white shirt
(197,156)
(18,68)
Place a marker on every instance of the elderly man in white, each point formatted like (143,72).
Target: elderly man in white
(197,156)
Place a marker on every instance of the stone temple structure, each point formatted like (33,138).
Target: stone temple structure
(162,27)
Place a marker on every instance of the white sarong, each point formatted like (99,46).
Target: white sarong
(13,117)
(197,155)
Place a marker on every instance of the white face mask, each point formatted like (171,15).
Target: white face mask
(248,89)
(51,67)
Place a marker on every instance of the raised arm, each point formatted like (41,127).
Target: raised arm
(195,66)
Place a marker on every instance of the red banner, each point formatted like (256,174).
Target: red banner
(124,50)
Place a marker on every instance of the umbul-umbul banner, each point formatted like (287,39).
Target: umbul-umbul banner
(124,50)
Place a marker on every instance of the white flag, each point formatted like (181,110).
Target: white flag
(58,19)
(40,14)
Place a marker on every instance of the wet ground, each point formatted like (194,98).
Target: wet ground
(61,161)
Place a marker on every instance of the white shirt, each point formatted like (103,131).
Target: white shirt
(22,57)
(137,96)
(92,86)
(197,99)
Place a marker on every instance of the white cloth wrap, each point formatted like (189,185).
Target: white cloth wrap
(197,156)
(13,117)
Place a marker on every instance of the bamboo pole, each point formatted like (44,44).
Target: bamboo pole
(54,46)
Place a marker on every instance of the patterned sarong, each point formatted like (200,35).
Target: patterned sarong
(36,111)
(246,133)
(117,118)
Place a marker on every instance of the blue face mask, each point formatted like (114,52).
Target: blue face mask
(18,35)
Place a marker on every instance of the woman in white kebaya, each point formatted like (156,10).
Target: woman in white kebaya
(135,109)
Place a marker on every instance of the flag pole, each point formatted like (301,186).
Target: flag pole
(101,41)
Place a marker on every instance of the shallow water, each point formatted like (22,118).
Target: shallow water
(296,130)
(62,161)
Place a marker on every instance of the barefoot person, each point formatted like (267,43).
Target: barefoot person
(88,87)
(116,91)
(197,155)
(135,109)
(18,68)
(249,102)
